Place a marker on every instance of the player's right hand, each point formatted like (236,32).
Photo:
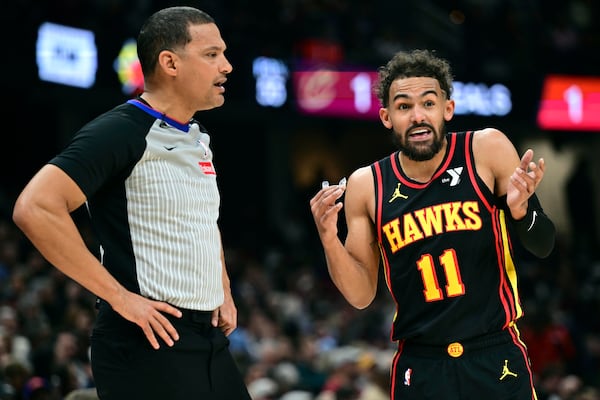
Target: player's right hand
(325,208)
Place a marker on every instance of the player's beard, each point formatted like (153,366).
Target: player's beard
(421,151)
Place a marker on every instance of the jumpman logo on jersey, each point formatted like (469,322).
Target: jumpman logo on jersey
(397,194)
(506,372)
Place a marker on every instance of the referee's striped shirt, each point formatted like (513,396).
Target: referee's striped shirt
(153,202)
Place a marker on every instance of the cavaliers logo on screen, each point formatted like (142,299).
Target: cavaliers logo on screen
(317,90)
(207,168)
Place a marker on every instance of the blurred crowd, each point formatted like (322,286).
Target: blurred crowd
(297,339)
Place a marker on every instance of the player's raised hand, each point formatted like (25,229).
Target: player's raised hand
(325,208)
(523,183)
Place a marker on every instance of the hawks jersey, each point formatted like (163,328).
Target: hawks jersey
(445,249)
(153,203)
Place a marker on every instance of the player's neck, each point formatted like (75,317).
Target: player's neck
(422,171)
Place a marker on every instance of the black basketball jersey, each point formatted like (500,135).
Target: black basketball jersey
(445,248)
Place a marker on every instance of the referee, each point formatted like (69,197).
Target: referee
(144,170)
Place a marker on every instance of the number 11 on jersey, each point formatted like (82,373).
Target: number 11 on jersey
(454,285)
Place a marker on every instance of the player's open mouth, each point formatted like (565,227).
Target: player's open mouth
(419,133)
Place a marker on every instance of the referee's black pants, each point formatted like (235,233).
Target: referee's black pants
(198,366)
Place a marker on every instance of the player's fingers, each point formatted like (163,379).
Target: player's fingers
(319,196)
(526,159)
(316,197)
(542,165)
(324,200)
(518,182)
(532,171)
(332,211)
(334,194)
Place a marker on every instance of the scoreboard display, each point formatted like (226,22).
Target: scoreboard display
(69,56)
(349,94)
(336,93)
(570,103)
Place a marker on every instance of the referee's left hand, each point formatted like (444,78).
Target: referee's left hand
(225,316)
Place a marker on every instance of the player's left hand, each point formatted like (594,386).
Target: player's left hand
(523,183)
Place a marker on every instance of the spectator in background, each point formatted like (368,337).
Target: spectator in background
(550,343)
(582,206)
(17,347)
(83,394)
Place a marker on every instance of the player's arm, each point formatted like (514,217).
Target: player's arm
(514,182)
(353,265)
(43,212)
(535,230)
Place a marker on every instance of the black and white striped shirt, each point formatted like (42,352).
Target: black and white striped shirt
(153,201)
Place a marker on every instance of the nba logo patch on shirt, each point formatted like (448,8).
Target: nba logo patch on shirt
(207,168)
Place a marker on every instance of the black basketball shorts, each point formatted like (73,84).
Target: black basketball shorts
(492,367)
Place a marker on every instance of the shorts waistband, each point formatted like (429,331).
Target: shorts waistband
(458,348)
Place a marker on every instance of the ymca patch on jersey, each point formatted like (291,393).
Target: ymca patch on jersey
(207,168)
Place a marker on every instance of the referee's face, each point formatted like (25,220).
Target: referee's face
(202,68)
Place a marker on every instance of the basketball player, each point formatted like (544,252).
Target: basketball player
(438,215)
